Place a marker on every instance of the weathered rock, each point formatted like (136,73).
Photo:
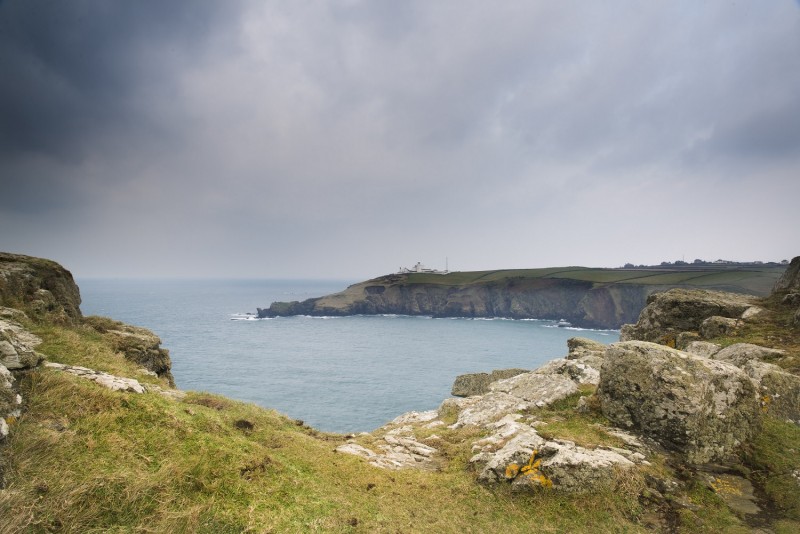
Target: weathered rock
(483,409)
(680,310)
(740,353)
(586,370)
(703,409)
(17,346)
(41,287)
(716,326)
(528,461)
(791,299)
(703,348)
(478,383)
(114,383)
(790,279)
(400,450)
(685,338)
(536,388)
(136,344)
(751,312)
(10,401)
(580,347)
(779,391)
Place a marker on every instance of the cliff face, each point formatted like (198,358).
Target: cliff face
(46,292)
(42,288)
(580,302)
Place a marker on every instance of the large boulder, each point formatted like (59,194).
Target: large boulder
(702,409)
(478,383)
(790,279)
(675,311)
(43,288)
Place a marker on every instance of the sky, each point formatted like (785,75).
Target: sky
(345,139)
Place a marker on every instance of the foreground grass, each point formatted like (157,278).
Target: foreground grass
(85,459)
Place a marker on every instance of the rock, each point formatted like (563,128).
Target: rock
(41,287)
(779,391)
(682,310)
(716,326)
(581,346)
(529,461)
(415,417)
(483,409)
(703,348)
(400,450)
(752,311)
(791,299)
(136,344)
(796,319)
(703,409)
(740,353)
(478,383)
(790,279)
(114,383)
(583,371)
(17,346)
(685,338)
(536,388)
(10,401)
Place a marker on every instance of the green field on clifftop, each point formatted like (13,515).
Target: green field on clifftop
(750,279)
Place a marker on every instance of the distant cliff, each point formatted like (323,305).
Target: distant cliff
(589,298)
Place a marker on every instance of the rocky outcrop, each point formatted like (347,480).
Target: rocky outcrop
(478,383)
(676,311)
(702,409)
(42,288)
(790,280)
(112,382)
(17,345)
(136,344)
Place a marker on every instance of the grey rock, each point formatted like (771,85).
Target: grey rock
(791,299)
(779,391)
(516,453)
(467,385)
(17,346)
(583,371)
(703,348)
(703,409)
(790,279)
(740,353)
(669,313)
(538,389)
(114,383)
(716,326)
(581,346)
(400,450)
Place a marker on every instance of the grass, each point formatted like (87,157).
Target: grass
(90,460)
(747,280)
(85,459)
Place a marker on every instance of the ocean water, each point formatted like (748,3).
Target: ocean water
(343,374)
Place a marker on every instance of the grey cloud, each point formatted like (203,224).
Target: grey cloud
(507,133)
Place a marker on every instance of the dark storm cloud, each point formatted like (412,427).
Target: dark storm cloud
(72,69)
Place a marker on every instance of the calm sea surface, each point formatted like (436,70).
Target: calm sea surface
(343,374)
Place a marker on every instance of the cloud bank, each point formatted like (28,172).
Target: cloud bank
(344,139)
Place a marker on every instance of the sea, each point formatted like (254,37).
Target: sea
(336,374)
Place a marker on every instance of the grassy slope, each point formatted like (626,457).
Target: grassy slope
(744,279)
(85,459)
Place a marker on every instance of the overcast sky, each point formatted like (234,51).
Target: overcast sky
(344,139)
